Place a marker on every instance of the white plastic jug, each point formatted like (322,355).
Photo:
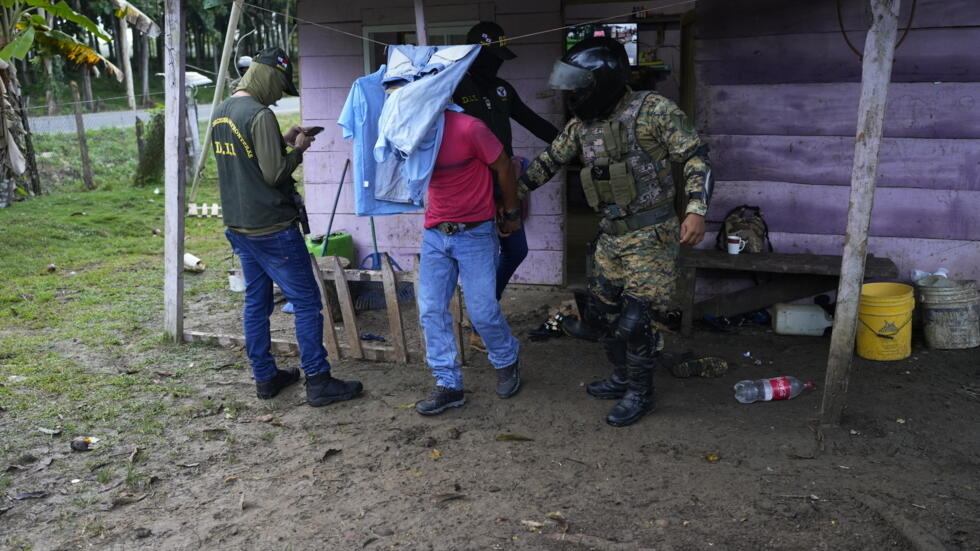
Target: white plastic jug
(799,319)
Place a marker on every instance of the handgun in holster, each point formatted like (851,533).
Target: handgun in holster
(304,220)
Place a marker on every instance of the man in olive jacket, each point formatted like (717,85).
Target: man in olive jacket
(261,215)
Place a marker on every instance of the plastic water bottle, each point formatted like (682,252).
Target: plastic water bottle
(777,388)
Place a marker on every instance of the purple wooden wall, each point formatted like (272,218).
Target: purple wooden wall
(330,62)
(777,101)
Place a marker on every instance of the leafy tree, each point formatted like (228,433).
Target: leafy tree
(32,26)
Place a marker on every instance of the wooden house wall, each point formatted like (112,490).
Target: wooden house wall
(777,100)
(331,61)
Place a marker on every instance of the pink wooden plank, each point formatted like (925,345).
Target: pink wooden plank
(320,39)
(548,199)
(328,12)
(905,162)
(545,232)
(532,86)
(927,55)
(320,198)
(405,14)
(725,19)
(915,110)
(542,268)
(517,25)
(324,103)
(509,7)
(907,253)
(320,167)
(822,209)
(330,71)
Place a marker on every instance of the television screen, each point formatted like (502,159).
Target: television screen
(625,33)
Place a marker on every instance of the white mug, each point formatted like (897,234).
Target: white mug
(735,244)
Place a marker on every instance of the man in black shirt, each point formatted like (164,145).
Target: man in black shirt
(484,95)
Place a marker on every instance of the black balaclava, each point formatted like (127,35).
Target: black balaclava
(486,65)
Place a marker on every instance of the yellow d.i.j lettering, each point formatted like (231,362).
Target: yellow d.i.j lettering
(224,148)
(228,148)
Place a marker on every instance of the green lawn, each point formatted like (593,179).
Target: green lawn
(81,296)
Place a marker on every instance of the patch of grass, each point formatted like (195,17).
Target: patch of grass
(81,302)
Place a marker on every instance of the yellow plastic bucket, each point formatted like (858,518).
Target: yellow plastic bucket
(884,329)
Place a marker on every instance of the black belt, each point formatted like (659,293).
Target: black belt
(451,228)
(633,222)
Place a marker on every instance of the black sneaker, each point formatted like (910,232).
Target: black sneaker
(283,378)
(323,389)
(440,400)
(509,380)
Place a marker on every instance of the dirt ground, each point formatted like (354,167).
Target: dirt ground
(702,472)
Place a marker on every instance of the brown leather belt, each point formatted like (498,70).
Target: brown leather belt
(451,228)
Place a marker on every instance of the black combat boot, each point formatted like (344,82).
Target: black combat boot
(638,400)
(593,323)
(322,389)
(283,378)
(613,387)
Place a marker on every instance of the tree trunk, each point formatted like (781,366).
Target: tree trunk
(12,161)
(145,69)
(127,67)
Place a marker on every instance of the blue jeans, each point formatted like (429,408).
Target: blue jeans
(467,257)
(282,258)
(513,251)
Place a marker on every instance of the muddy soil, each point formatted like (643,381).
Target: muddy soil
(702,472)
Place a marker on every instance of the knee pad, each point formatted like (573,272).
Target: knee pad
(633,323)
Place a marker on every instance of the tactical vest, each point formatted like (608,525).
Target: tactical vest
(620,179)
(247,201)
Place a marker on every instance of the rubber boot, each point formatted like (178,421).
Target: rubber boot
(638,400)
(614,386)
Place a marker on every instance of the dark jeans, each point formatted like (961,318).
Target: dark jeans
(513,251)
(282,258)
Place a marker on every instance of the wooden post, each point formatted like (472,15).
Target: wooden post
(82,143)
(140,141)
(219,92)
(420,23)
(175,174)
(879,50)
(127,66)
(395,329)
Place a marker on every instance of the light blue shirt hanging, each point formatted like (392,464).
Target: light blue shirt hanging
(428,75)
(359,121)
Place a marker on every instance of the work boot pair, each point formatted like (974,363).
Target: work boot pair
(442,398)
(631,382)
(321,389)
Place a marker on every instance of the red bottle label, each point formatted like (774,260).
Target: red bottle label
(781,388)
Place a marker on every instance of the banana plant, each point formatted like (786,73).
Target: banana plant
(26,27)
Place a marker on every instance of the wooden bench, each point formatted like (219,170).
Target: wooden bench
(795,276)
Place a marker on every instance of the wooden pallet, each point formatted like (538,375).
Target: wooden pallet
(329,269)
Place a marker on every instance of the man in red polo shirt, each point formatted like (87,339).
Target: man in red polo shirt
(460,242)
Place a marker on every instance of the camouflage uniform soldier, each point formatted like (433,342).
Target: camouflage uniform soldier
(626,142)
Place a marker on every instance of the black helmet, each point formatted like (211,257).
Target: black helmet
(594,72)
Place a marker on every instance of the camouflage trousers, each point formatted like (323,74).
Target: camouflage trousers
(642,262)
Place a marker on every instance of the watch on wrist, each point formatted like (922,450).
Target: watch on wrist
(512,215)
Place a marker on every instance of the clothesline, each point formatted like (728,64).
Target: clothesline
(500,42)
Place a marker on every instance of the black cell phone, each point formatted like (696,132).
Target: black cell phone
(313,131)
